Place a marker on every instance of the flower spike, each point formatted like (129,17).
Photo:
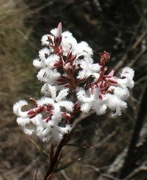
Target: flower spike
(73,83)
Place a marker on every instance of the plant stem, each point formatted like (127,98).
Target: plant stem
(55,159)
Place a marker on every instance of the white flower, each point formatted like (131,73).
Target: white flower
(57,101)
(48,75)
(68,43)
(83,49)
(54,31)
(127,75)
(115,104)
(27,125)
(121,92)
(65,130)
(51,60)
(32,121)
(92,101)
(46,63)
(38,63)
(100,106)
(44,53)
(84,96)
(17,108)
(88,69)
(45,40)
(65,63)
(127,72)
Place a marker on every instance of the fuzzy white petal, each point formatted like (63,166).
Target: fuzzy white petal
(65,129)
(51,60)
(83,49)
(121,93)
(115,104)
(45,101)
(62,94)
(17,108)
(127,72)
(52,90)
(68,43)
(38,64)
(54,31)
(44,53)
(27,127)
(83,96)
(68,105)
(86,107)
(44,40)
(100,107)
(23,121)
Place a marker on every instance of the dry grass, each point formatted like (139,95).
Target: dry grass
(16,72)
(15,50)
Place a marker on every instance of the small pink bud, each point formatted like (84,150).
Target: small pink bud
(104,57)
(59,30)
(58,36)
(70,57)
(67,85)
(67,66)
(56,65)
(62,80)
(111,74)
(112,81)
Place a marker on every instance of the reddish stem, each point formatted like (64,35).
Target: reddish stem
(55,159)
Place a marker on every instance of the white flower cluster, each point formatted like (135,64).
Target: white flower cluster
(46,128)
(113,100)
(66,67)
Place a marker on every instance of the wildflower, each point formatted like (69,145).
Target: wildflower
(32,121)
(67,69)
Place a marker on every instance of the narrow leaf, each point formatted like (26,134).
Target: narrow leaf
(39,148)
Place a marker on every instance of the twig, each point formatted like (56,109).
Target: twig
(96,169)
(144,78)
(3,176)
(54,161)
(139,124)
(106,139)
(64,175)
(34,177)
(139,40)
(28,168)
(136,171)
(137,57)
(109,177)
(133,47)
(81,118)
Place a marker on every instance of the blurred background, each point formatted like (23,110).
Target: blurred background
(119,145)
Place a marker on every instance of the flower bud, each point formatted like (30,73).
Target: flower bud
(104,57)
